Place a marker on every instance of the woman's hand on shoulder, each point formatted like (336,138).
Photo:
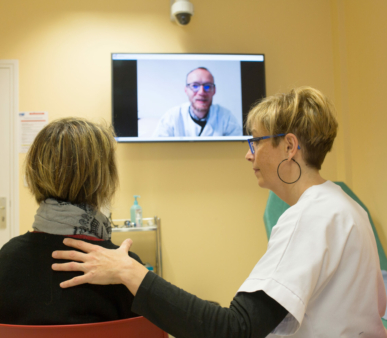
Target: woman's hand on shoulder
(100,266)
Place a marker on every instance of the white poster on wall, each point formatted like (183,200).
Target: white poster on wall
(30,123)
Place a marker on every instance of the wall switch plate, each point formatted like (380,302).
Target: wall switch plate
(3,212)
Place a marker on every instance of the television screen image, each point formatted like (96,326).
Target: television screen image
(184,97)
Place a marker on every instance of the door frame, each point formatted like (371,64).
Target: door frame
(13,204)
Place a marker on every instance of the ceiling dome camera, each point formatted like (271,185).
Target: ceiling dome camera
(183,18)
(181,11)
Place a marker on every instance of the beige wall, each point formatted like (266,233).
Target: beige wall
(365,77)
(205,193)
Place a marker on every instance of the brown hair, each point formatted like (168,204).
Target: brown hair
(305,112)
(73,160)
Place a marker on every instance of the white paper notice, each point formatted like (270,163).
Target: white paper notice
(31,123)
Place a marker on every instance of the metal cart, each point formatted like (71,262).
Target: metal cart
(152,224)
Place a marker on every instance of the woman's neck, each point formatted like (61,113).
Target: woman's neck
(290,194)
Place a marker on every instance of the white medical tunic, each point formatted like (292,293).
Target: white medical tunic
(322,266)
(178,122)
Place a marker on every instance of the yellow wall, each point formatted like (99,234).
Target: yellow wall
(366,75)
(205,193)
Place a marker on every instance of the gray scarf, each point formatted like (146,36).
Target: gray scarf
(63,218)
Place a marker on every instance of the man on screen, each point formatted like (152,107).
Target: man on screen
(199,117)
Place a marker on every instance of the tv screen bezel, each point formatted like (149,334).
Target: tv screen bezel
(243,138)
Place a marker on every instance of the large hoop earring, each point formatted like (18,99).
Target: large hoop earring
(280,176)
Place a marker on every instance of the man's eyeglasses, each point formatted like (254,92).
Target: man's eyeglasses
(195,86)
(255,141)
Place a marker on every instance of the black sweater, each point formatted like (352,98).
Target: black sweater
(251,315)
(30,293)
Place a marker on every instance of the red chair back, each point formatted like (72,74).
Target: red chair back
(138,327)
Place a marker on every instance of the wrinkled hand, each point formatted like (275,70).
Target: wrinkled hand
(100,266)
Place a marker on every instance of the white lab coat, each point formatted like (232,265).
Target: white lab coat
(322,265)
(178,122)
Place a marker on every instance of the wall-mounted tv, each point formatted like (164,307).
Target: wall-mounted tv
(184,97)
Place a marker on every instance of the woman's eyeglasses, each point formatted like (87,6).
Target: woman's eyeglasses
(255,141)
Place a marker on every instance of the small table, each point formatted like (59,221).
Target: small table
(155,227)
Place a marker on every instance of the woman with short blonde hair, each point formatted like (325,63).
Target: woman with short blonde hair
(305,112)
(320,276)
(71,171)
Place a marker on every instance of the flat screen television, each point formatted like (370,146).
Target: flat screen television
(184,97)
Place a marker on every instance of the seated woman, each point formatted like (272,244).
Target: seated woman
(71,171)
